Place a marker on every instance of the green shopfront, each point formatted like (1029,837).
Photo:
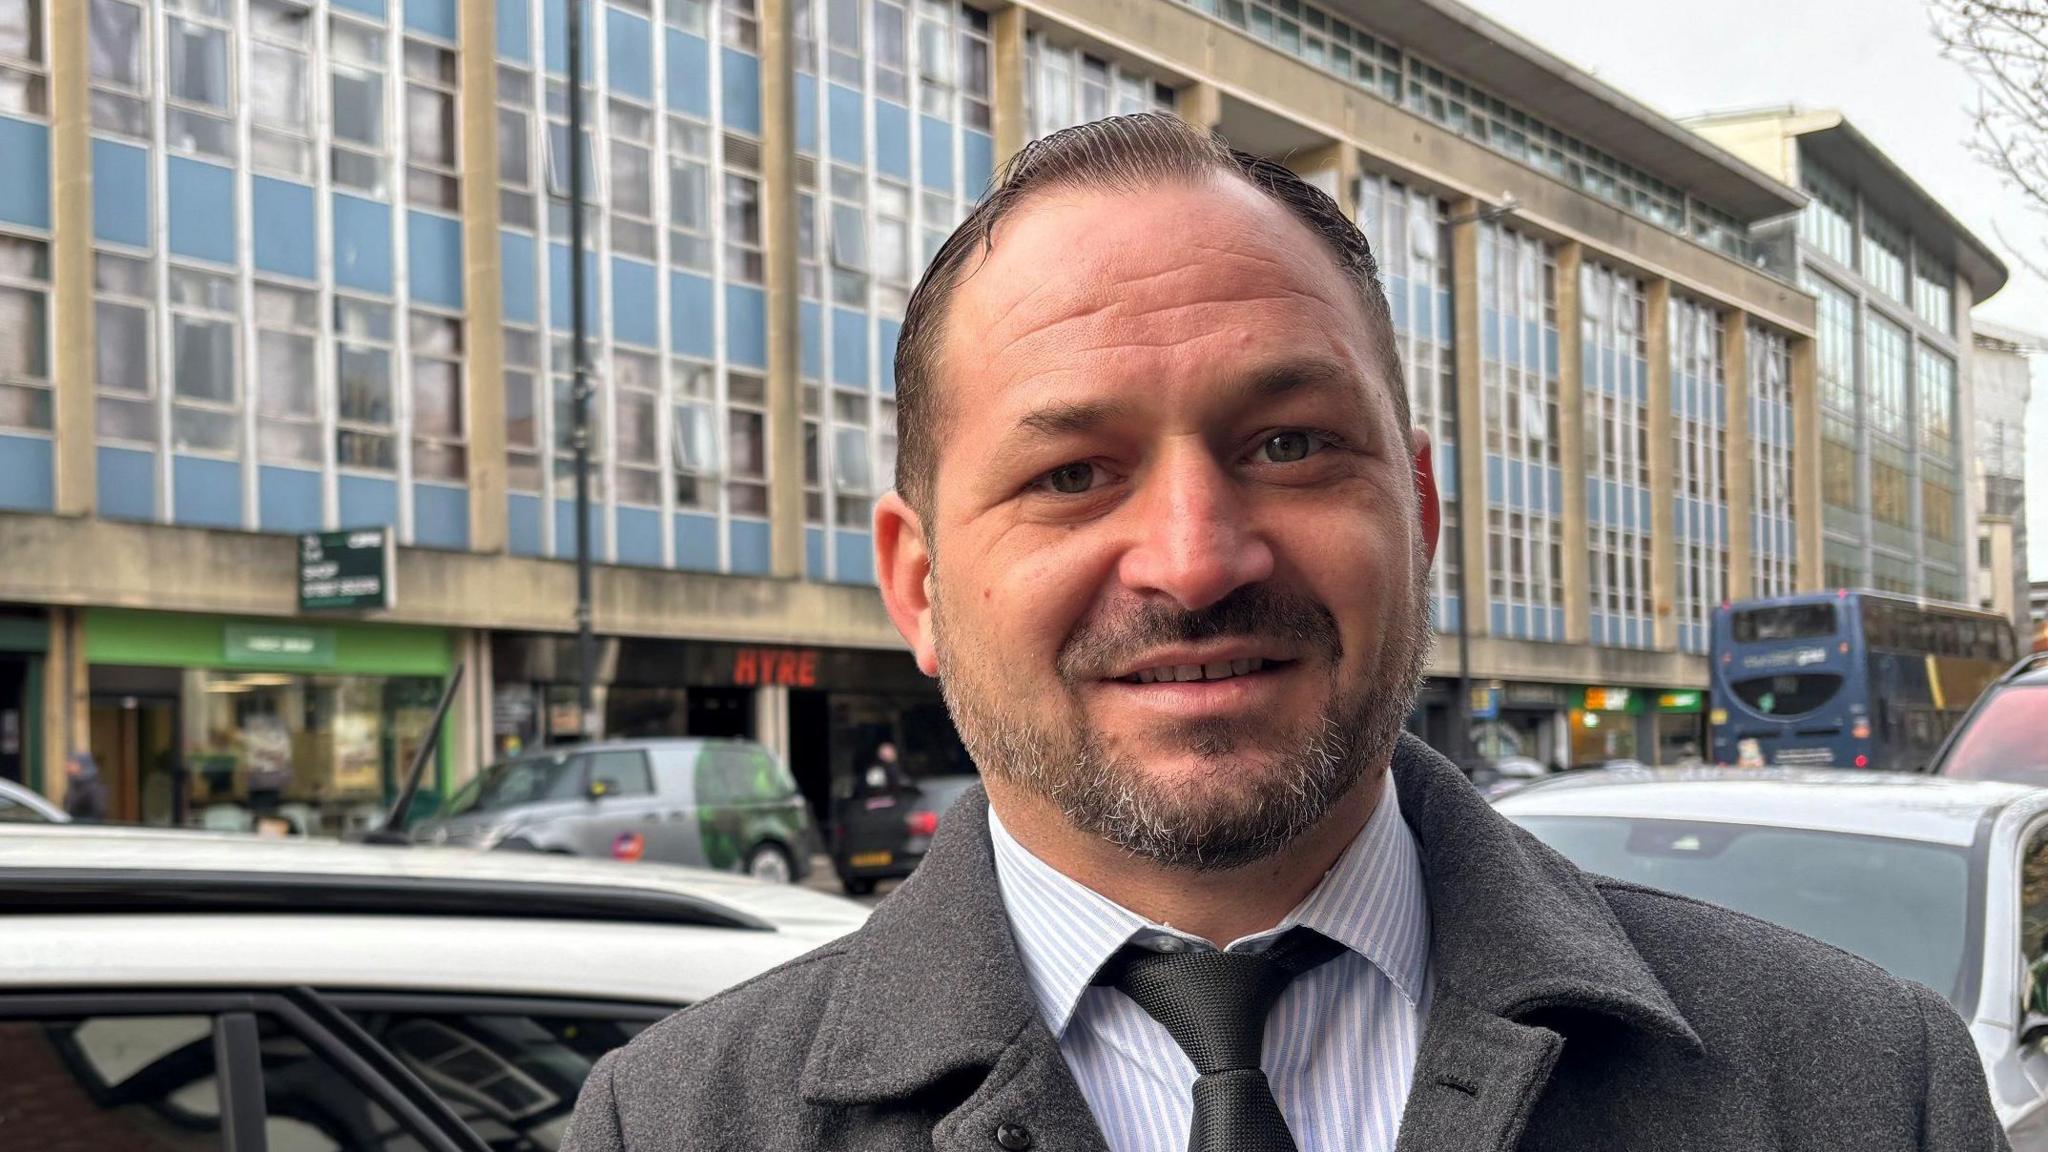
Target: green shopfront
(303,726)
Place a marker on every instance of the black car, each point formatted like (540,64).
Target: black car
(882,836)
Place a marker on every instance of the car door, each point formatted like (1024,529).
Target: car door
(2028,1090)
(621,810)
(676,838)
(196,1072)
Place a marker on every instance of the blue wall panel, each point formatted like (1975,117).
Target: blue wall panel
(892,139)
(935,157)
(697,541)
(206,492)
(806,113)
(640,537)
(810,321)
(440,516)
(565,530)
(522,524)
(849,348)
(366,7)
(854,552)
(849,124)
(749,541)
(814,554)
(1446,470)
(554,34)
(202,210)
(890,331)
(288,500)
(635,303)
(977,163)
(515,35)
(434,17)
(127,483)
(25,177)
(368,502)
(690,319)
(120,194)
(27,473)
(689,74)
(561,311)
(281,216)
(362,244)
(746,332)
(516,258)
(626,45)
(741,90)
(434,258)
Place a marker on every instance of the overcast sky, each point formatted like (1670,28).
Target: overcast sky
(1877,61)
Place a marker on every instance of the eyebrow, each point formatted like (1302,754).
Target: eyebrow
(1070,418)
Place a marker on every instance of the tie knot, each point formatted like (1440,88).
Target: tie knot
(1214,1004)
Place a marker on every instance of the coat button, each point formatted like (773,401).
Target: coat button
(1014,1137)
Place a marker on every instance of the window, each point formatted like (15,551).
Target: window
(118,48)
(522,410)
(357,106)
(739,25)
(1884,255)
(509,1073)
(848,237)
(205,376)
(632,179)
(842,38)
(853,474)
(24,334)
(1829,219)
(746,444)
(1938,507)
(1934,296)
(1890,491)
(696,436)
(124,334)
(636,426)
(23,35)
(1885,372)
(689,208)
(363,334)
(936,65)
(515,148)
(114,1081)
(1835,329)
(288,407)
(688,15)
(620,773)
(743,259)
(432,146)
(439,428)
(891,51)
(1937,387)
(561,355)
(199,84)
(1065,87)
(893,267)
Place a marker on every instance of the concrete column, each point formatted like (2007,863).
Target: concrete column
(482,283)
(1806,507)
(778,244)
(1012,73)
(67,703)
(1201,105)
(71,260)
(1739,453)
(1663,517)
(1571,447)
(1465,310)
(1333,168)
(771,718)
(469,718)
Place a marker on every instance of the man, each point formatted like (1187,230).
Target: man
(1161,531)
(884,777)
(85,794)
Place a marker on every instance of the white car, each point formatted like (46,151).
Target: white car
(187,990)
(19,805)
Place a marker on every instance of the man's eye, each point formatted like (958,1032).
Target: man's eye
(1071,479)
(1288,447)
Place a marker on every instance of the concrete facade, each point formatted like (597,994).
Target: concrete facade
(801,337)
(2002,380)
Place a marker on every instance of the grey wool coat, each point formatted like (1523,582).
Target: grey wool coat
(1571,1012)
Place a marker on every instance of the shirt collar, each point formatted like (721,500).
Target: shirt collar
(1372,902)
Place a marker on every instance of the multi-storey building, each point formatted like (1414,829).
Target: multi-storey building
(2001,380)
(274,266)
(1894,276)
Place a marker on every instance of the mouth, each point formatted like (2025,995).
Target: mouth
(1179,673)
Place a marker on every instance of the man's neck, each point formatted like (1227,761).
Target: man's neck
(1216,906)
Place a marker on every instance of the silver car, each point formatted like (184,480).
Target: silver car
(724,804)
(1943,882)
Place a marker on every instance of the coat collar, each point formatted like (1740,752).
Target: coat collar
(932,987)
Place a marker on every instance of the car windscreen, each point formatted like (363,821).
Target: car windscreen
(2007,739)
(1783,622)
(1901,904)
(518,782)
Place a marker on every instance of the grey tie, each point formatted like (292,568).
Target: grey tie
(1214,1005)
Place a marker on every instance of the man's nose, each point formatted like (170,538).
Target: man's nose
(1196,539)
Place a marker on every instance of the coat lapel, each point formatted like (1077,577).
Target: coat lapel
(1477,1077)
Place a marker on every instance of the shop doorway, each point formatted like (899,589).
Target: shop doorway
(135,740)
(810,748)
(14,718)
(722,712)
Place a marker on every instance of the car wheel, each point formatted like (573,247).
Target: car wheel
(859,886)
(770,863)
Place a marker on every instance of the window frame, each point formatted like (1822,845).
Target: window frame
(46,288)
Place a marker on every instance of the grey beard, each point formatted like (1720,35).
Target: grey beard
(1114,801)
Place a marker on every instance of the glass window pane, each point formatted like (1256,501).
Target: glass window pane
(746,439)
(363,384)
(285,381)
(116,42)
(632,180)
(430,125)
(359,107)
(313,1105)
(198,58)
(277,86)
(113,1081)
(121,339)
(21,29)
(24,334)
(437,398)
(203,358)
(286,20)
(514,149)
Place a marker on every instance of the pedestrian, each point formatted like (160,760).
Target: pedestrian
(85,794)
(884,777)
(1161,531)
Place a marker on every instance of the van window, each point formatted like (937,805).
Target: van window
(623,773)
(519,782)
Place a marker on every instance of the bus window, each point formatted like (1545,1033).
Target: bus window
(1788,695)
(1784,622)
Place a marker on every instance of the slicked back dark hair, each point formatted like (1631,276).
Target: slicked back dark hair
(1123,154)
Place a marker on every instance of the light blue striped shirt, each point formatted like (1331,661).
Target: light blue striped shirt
(1340,1044)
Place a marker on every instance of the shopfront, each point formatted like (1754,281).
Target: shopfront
(826,709)
(1604,725)
(237,724)
(1681,729)
(24,640)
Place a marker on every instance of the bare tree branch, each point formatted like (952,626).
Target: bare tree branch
(2003,44)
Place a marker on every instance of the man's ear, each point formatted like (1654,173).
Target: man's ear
(903,568)
(1430,511)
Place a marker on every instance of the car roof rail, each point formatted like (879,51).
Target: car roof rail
(2031,662)
(130,891)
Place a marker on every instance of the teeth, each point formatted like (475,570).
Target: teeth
(1240,667)
(1217,671)
(1187,672)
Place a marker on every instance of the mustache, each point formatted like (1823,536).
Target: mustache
(1103,642)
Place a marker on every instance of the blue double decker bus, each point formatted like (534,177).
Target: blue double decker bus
(1847,679)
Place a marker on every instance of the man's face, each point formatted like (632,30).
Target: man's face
(1179,544)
